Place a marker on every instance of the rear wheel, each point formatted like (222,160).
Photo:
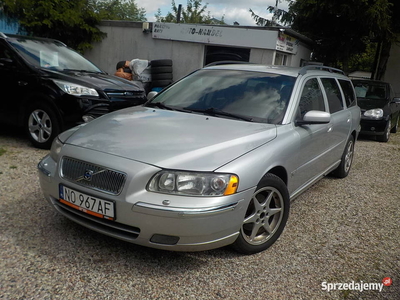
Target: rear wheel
(385,137)
(42,125)
(265,217)
(346,161)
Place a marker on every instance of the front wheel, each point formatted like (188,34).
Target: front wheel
(385,137)
(42,125)
(265,217)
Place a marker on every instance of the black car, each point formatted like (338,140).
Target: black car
(380,110)
(47,88)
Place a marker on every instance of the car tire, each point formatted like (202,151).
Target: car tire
(42,125)
(346,161)
(265,217)
(161,62)
(162,69)
(396,125)
(162,76)
(385,137)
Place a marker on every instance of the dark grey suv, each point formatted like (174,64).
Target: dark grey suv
(47,87)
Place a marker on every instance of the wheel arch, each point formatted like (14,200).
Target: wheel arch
(280,172)
(38,97)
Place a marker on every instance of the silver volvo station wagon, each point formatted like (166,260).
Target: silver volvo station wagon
(210,161)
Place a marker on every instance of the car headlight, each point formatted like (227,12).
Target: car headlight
(75,89)
(193,183)
(375,113)
(56,149)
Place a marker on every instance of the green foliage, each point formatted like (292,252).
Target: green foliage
(342,29)
(345,31)
(72,22)
(2,151)
(286,18)
(119,10)
(194,13)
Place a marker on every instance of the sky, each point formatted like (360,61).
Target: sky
(232,10)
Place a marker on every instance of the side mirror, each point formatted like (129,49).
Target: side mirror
(151,95)
(396,100)
(314,117)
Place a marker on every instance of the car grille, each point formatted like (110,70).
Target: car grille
(123,99)
(92,176)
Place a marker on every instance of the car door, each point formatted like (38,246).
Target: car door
(340,120)
(10,84)
(312,159)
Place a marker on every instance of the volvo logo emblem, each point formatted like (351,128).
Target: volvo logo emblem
(88,175)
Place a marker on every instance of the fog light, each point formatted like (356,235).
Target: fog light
(164,239)
(87,118)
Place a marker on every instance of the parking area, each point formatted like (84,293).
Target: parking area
(340,231)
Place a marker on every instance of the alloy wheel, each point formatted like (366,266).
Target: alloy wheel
(349,156)
(40,125)
(263,216)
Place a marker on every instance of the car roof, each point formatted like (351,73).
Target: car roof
(281,70)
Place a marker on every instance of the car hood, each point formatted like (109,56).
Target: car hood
(97,81)
(171,139)
(366,104)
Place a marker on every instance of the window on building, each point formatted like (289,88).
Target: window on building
(280,59)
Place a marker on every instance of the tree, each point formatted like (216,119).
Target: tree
(342,29)
(73,22)
(194,13)
(119,10)
(278,14)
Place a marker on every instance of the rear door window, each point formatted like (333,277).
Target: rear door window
(348,92)
(335,100)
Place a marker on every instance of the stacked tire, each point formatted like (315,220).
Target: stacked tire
(161,73)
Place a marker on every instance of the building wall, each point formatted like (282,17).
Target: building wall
(127,41)
(392,73)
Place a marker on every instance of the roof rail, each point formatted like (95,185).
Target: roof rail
(319,67)
(227,62)
(2,35)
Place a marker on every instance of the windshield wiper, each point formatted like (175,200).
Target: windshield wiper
(83,71)
(217,112)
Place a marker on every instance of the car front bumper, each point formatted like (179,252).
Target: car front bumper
(373,127)
(202,223)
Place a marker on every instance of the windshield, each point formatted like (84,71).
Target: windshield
(370,90)
(252,96)
(52,55)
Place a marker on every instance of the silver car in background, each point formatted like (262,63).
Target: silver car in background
(212,160)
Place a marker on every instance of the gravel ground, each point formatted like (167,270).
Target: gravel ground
(339,231)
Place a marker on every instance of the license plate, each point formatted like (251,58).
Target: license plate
(88,204)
